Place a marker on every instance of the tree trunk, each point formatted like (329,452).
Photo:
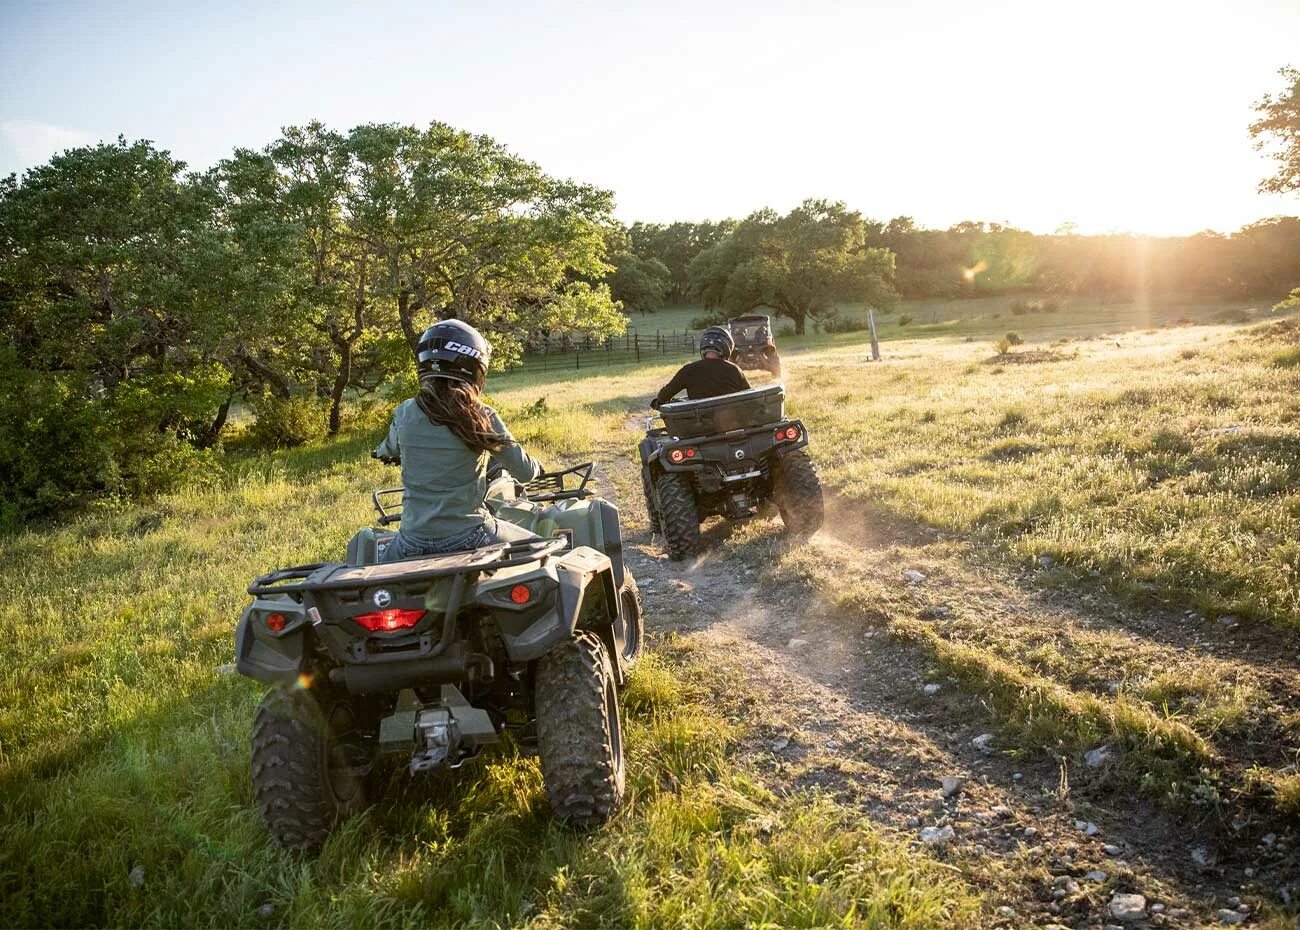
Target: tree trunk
(406,310)
(341,380)
(277,382)
(213,432)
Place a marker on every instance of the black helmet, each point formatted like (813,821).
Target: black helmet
(455,350)
(717,339)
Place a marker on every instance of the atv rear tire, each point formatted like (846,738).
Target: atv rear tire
(679,518)
(652,512)
(798,493)
(633,619)
(580,732)
(303,780)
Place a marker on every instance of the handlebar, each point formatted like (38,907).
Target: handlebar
(545,488)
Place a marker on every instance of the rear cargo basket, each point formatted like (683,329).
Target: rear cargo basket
(687,419)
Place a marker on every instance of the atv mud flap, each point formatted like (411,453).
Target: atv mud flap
(271,657)
(587,597)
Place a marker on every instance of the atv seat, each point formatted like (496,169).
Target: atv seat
(687,419)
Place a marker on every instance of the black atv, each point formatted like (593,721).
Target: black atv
(752,335)
(729,456)
(436,657)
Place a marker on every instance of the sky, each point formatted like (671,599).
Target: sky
(1113,116)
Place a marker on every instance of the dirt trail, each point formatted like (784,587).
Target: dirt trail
(830,705)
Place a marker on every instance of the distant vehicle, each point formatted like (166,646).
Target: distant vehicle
(727,455)
(752,334)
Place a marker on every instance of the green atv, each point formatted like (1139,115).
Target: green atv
(436,657)
(731,456)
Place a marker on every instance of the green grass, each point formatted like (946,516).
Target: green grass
(124,752)
(1161,463)
(1174,477)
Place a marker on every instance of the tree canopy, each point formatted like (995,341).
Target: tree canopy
(1277,130)
(799,264)
(138,300)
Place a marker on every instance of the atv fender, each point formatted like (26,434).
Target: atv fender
(587,599)
(271,658)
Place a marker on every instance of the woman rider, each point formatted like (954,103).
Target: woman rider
(445,438)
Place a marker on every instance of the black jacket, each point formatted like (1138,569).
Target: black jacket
(709,377)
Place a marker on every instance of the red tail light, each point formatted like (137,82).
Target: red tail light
(383,621)
(792,432)
(520,594)
(677,455)
(275,622)
(690,453)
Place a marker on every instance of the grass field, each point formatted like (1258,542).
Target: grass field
(1109,522)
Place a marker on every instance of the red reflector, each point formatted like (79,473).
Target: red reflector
(520,594)
(381,621)
(275,622)
(676,455)
(690,453)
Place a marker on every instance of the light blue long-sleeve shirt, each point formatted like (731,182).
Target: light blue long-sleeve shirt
(445,482)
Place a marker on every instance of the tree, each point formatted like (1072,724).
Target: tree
(110,340)
(461,227)
(1278,130)
(799,264)
(639,283)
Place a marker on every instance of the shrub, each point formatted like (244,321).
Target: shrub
(1287,358)
(785,330)
(844,324)
(1290,303)
(291,422)
(704,322)
(1005,344)
(904,319)
(1019,307)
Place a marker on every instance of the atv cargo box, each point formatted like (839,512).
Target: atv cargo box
(687,419)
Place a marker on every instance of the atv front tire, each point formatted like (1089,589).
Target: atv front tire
(679,518)
(303,779)
(798,493)
(580,732)
(633,619)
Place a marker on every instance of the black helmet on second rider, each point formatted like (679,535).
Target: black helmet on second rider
(717,339)
(453,350)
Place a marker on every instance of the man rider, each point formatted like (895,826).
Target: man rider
(712,376)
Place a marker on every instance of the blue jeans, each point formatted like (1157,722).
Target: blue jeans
(410,546)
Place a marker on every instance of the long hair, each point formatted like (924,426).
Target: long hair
(457,406)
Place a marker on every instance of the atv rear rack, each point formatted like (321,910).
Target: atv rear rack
(333,576)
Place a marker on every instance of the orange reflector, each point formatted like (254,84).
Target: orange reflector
(520,594)
(275,622)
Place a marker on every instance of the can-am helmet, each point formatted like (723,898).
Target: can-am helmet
(454,350)
(717,339)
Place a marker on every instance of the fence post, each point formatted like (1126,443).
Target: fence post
(875,343)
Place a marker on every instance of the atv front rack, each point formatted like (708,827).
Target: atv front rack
(332,576)
(550,486)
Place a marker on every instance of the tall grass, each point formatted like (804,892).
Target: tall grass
(125,796)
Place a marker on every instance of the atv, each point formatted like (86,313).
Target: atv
(731,456)
(437,657)
(752,335)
